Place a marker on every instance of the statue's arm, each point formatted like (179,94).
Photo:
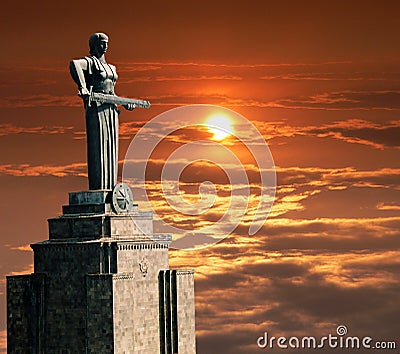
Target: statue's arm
(77,68)
(129,106)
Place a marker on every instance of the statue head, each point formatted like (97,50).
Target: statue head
(95,40)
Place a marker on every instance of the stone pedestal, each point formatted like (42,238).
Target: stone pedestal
(101,284)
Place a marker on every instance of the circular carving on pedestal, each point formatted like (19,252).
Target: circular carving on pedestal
(122,199)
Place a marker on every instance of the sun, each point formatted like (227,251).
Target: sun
(220,126)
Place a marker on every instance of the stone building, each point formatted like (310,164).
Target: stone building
(101,284)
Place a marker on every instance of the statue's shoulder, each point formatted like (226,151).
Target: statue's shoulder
(93,64)
(90,60)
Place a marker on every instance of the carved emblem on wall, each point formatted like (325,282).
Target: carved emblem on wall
(143,267)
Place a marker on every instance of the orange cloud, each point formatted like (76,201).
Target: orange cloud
(125,66)
(9,129)
(388,206)
(3,341)
(179,78)
(40,100)
(26,170)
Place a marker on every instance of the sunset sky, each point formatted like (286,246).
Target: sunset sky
(321,82)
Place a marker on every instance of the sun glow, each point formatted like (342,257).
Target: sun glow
(220,126)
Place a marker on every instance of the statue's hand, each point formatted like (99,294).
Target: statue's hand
(84,93)
(129,106)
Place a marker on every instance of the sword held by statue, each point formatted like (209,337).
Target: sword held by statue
(113,99)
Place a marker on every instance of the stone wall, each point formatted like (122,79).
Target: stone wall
(99,327)
(186,311)
(125,297)
(135,315)
(25,313)
(136,321)
(143,259)
(66,265)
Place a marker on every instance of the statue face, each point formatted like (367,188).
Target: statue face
(102,46)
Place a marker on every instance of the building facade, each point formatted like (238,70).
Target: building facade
(101,284)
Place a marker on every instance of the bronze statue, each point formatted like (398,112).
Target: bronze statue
(96,81)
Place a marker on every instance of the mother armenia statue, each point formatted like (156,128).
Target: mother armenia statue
(96,81)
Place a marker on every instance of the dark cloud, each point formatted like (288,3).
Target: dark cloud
(276,270)
(193,241)
(334,234)
(301,291)
(335,177)
(345,100)
(353,131)
(220,281)
(378,136)
(299,300)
